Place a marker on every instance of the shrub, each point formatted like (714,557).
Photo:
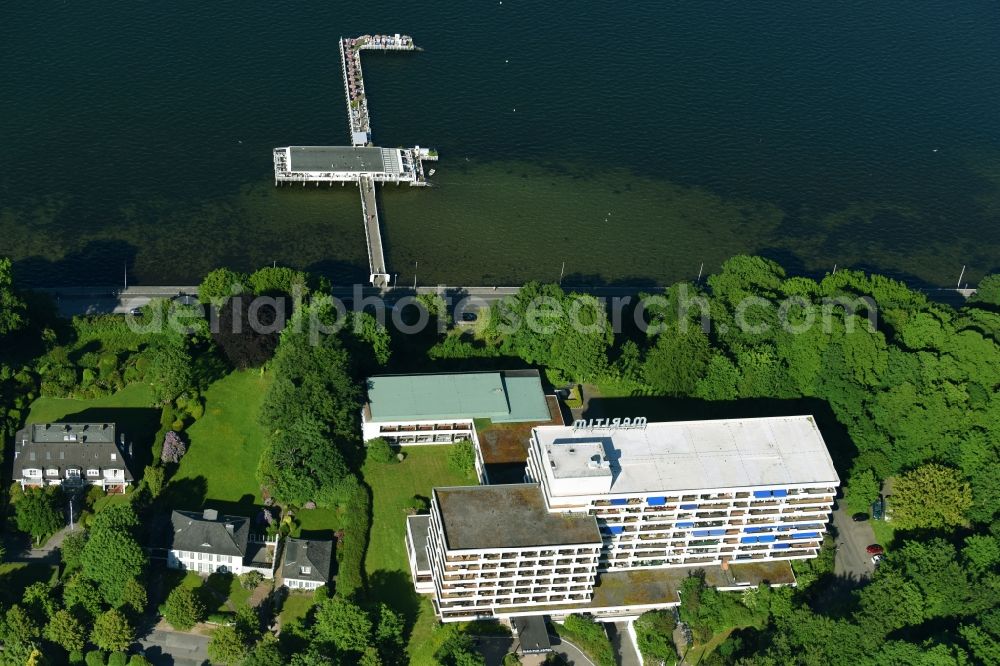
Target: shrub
(94,658)
(462,459)
(251,579)
(654,631)
(418,504)
(173,447)
(590,637)
(117,659)
(380,451)
(320,593)
(351,548)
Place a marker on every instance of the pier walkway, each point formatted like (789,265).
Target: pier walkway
(373,233)
(361,162)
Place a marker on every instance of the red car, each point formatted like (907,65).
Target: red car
(875,549)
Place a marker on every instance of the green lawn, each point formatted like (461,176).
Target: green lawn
(884,532)
(296,607)
(317,523)
(386,562)
(48,410)
(219,467)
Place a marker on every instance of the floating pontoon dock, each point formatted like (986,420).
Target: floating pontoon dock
(361,162)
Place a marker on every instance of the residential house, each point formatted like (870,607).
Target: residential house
(208,542)
(306,563)
(73,455)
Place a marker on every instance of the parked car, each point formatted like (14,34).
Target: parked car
(878,508)
(860,517)
(875,549)
(135,312)
(876,559)
(469,317)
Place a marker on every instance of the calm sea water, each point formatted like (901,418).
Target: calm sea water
(632,141)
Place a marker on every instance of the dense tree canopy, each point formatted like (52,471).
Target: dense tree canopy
(930,496)
(40,511)
(112,557)
(13,314)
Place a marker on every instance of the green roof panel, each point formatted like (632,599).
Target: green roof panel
(501,397)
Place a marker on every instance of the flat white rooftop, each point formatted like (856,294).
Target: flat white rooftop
(685,455)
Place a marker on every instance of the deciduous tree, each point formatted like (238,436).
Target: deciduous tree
(112,631)
(183,608)
(932,496)
(66,631)
(39,511)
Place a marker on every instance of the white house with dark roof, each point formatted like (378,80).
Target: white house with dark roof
(208,542)
(305,563)
(71,454)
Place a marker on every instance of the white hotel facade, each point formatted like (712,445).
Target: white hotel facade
(614,515)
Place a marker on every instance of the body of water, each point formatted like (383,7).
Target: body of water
(633,142)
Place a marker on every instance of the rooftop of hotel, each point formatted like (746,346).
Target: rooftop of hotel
(647,587)
(335,158)
(504,397)
(507,443)
(508,516)
(690,455)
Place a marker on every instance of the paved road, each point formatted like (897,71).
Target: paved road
(164,648)
(622,643)
(97,300)
(853,538)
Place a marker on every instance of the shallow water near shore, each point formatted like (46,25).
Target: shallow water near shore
(632,143)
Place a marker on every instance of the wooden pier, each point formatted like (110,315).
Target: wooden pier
(361,162)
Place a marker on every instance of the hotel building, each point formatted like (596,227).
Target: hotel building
(735,499)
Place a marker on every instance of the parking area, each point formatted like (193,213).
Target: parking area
(852,560)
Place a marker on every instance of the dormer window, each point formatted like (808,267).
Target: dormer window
(305,571)
(33,473)
(114,456)
(51,472)
(93,472)
(73,473)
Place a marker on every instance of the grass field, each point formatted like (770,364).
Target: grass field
(219,467)
(296,607)
(393,485)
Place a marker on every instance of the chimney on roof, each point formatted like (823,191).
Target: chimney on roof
(229,527)
(210,514)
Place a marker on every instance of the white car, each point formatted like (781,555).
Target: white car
(876,559)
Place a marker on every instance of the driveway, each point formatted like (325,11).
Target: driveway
(164,648)
(852,562)
(622,643)
(574,656)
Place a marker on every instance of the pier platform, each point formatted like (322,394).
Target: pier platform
(361,162)
(342,164)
